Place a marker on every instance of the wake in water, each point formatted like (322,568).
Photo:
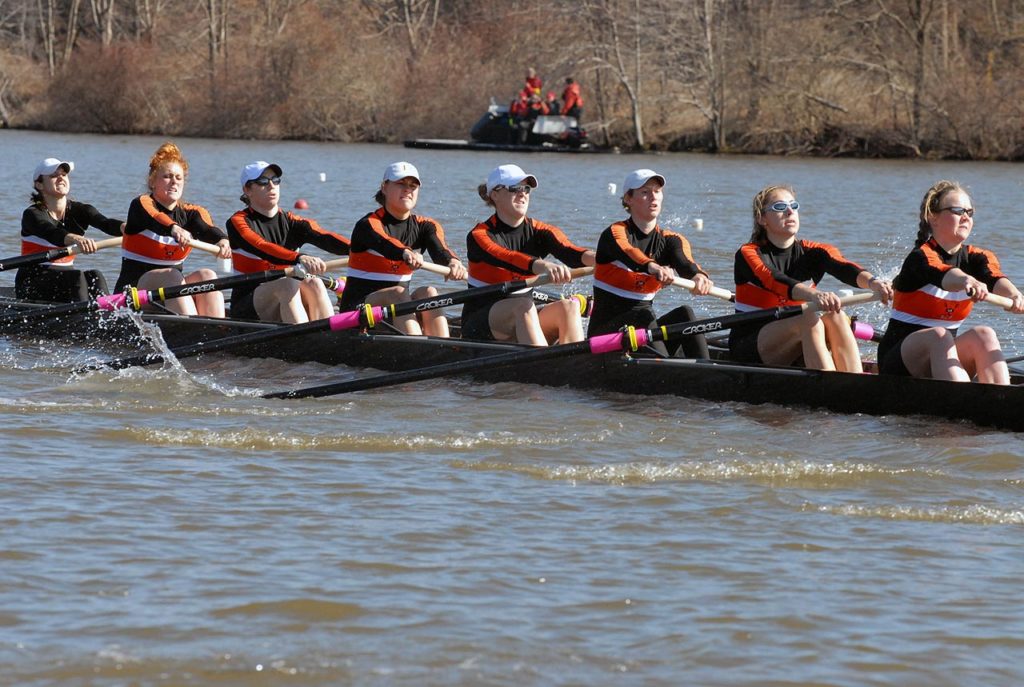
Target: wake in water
(141,379)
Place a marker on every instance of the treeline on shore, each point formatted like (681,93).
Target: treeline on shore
(890,78)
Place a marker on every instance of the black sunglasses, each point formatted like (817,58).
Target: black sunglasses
(266,181)
(958,211)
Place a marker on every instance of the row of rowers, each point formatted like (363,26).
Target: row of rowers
(932,295)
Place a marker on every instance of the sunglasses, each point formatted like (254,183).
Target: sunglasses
(266,181)
(520,188)
(782,206)
(958,211)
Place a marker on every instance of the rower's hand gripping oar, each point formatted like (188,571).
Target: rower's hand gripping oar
(365,315)
(53,254)
(628,340)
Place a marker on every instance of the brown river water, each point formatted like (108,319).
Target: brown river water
(165,526)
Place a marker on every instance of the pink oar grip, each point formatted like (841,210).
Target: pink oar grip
(606,343)
(863,330)
(111,302)
(345,320)
(350,319)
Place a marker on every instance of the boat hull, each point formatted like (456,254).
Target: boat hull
(712,380)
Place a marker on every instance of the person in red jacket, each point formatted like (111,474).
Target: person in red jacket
(533,82)
(572,101)
(265,237)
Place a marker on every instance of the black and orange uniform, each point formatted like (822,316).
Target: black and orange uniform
(148,244)
(375,260)
(765,276)
(260,243)
(920,302)
(624,290)
(58,280)
(499,253)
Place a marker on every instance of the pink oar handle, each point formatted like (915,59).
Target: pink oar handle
(120,300)
(863,330)
(607,343)
(350,318)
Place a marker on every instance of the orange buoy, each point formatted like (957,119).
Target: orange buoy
(301,204)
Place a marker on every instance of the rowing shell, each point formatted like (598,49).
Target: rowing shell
(712,380)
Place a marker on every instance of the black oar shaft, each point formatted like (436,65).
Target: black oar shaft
(599,344)
(34,258)
(458,367)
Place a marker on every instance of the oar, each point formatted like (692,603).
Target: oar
(53,254)
(135,299)
(365,315)
(715,291)
(629,340)
(1001,301)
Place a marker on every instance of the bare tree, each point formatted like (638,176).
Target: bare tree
(103,17)
(146,14)
(608,25)
(415,20)
(217,35)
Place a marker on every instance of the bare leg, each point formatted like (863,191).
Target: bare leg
(841,342)
(561,322)
(516,318)
(279,301)
(932,353)
(982,356)
(433,322)
(315,299)
(782,342)
(211,303)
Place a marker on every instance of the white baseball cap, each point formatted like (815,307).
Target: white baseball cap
(639,177)
(254,169)
(509,175)
(397,171)
(51,165)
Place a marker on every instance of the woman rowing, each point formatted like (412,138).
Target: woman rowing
(776,269)
(264,237)
(936,289)
(55,221)
(388,244)
(159,232)
(635,258)
(510,246)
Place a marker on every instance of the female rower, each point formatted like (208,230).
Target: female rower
(635,258)
(772,270)
(264,237)
(159,230)
(936,288)
(56,221)
(510,246)
(387,246)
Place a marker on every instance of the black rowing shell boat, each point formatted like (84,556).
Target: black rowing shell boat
(713,380)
